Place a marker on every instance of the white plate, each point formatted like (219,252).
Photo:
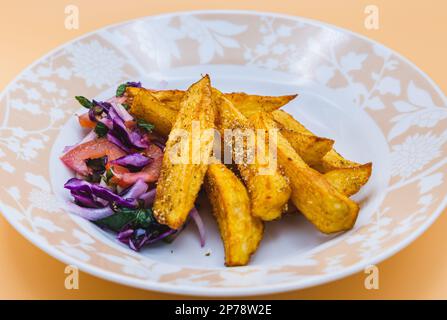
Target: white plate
(376,105)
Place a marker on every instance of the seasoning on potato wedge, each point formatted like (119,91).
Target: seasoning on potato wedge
(349,180)
(179,183)
(147,107)
(328,209)
(310,148)
(241,232)
(245,103)
(269,193)
(355,173)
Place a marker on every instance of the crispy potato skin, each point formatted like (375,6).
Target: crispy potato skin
(246,103)
(349,180)
(331,160)
(353,173)
(146,106)
(269,193)
(310,148)
(249,104)
(179,183)
(329,210)
(241,232)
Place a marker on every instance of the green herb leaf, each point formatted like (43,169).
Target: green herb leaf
(98,165)
(108,175)
(126,106)
(139,218)
(101,129)
(116,221)
(145,125)
(121,89)
(84,101)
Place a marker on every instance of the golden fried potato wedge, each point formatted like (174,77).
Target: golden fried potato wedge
(180,182)
(354,173)
(320,202)
(144,105)
(240,231)
(171,98)
(270,192)
(310,148)
(349,180)
(249,104)
(245,103)
(332,160)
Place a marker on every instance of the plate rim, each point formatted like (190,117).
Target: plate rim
(220,291)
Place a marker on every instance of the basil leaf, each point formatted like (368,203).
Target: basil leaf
(126,106)
(98,165)
(116,221)
(145,125)
(84,101)
(121,89)
(101,129)
(138,218)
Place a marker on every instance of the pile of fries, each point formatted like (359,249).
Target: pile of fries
(310,174)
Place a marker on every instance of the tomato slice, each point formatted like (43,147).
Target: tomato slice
(149,173)
(76,157)
(85,122)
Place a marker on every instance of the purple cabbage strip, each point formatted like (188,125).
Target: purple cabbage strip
(129,138)
(124,235)
(132,161)
(89,213)
(122,112)
(117,142)
(148,197)
(82,187)
(134,192)
(85,200)
(133,84)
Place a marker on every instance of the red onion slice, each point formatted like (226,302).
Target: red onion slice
(200,226)
(89,213)
(148,198)
(136,190)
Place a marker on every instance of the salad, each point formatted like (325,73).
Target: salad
(116,167)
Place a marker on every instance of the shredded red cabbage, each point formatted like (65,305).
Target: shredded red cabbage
(128,213)
(89,213)
(129,138)
(134,161)
(133,84)
(148,198)
(84,188)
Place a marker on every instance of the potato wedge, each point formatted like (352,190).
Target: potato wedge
(249,104)
(245,103)
(179,183)
(269,193)
(146,106)
(329,210)
(349,180)
(332,160)
(310,148)
(241,232)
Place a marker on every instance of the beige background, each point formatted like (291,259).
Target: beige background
(414,28)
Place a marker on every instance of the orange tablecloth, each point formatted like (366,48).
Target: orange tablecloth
(414,28)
